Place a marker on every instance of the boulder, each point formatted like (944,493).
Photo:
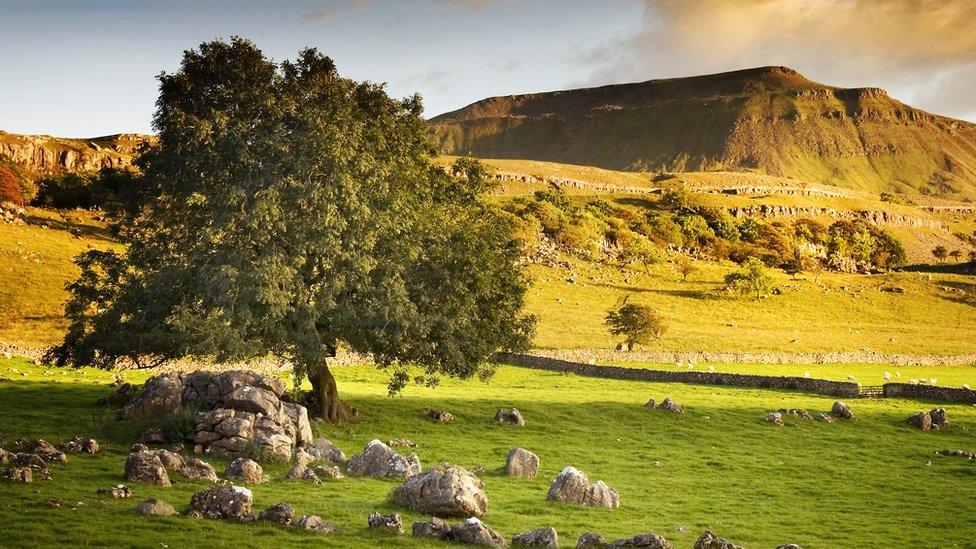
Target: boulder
(825,417)
(222,502)
(921,420)
(328,471)
(196,469)
(119,491)
(378,460)
(152,435)
(170,460)
(281,513)
(775,418)
(649,540)
(303,458)
(650,404)
(392,524)
(939,418)
(433,528)
(708,540)
(571,486)
(511,417)
(246,470)
(540,537)
(474,532)
(671,406)
(521,463)
(298,415)
(19,474)
(840,410)
(81,445)
(440,415)
(450,492)
(316,524)
(255,400)
(589,540)
(146,467)
(303,473)
(324,449)
(156,508)
(160,396)
(5,456)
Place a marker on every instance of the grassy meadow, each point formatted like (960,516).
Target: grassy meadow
(717,466)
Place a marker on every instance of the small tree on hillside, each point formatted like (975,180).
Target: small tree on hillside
(640,249)
(685,266)
(751,281)
(10,188)
(955,255)
(637,323)
(940,252)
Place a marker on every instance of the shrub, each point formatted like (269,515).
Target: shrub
(10,190)
(641,250)
(685,266)
(637,323)
(940,252)
(751,281)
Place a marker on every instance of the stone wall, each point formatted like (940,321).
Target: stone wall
(929,392)
(819,386)
(757,357)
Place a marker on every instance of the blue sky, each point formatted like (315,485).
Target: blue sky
(77,68)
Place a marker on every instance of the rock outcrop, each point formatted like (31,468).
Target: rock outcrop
(450,492)
(933,419)
(841,410)
(572,486)
(43,153)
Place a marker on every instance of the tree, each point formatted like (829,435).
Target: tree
(955,255)
(751,281)
(10,190)
(641,250)
(288,211)
(685,266)
(940,252)
(637,323)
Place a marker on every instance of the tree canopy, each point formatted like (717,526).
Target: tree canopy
(287,211)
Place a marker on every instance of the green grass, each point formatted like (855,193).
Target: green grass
(718,466)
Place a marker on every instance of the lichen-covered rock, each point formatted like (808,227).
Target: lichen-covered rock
(775,418)
(440,415)
(649,540)
(246,470)
(146,467)
(450,492)
(511,417)
(590,540)
(671,406)
(171,461)
(540,537)
(155,507)
(303,458)
(316,524)
(474,532)
(840,410)
(572,486)
(521,463)
(378,460)
(330,472)
(708,540)
(281,513)
(19,474)
(197,469)
(433,528)
(119,491)
(304,474)
(222,502)
(391,524)
(323,448)
(81,445)
(299,418)
(160,396)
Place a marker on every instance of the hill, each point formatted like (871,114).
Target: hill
(770,119)
(45,154)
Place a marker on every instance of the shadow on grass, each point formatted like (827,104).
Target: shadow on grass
(79,230)
(943,268)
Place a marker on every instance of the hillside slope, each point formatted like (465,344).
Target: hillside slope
(769,119)
(43,153)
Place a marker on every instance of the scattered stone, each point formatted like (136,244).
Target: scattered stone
(841,410)
(825,417)
(281,513)
(433,528)
(789,546)
(796,412)
(588,540)
(521,463)
(573,487)
(303,458)
(119,491)
(540,537)
(304,474)
(196,469)
(316,524)
(81,445)
(939,418)
(246,470)
(960,453)
(440,415)
(330,472)
(171,461)
(511,417)
(5,456)
(19,474)
(402,443)
(671,406)
(475,532)
(392,524)
(152,435)
(146,467)
(155,508)
(775,418)
(650,404)
(137,447)
(649,540)
(451,492)
(324,449)
(921,420)
(378,460)
(709,540)
(683,529)
(222,502)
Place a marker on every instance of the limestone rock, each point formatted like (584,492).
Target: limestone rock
(324,449)
(160,396)
(921,420)
(155,507)
(511,417)
(939,418)
(328,471)
(152,435)
(222,502)
(303,458)
(649,540)
(246,470)
(255,400)
(796,412)
(475,532)
(540,537)
(671,406)
(708,540)
(440,415)
(589,540)
(392,524)
(170,460)
(840,410)
(197,469)
(433,528)
(789,546)
(650,404)
(146,467)
(775,418)
(299,418)
(521,463)
(281,513)
(825,417)
(378,460)
(5,456)
(19,474)
(119,491)
(316,524)
(81,445)
(303,473)
(451,492)
(573,487)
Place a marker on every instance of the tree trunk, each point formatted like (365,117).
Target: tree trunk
(326,394)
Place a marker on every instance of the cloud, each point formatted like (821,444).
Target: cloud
(334,8)
(918,49)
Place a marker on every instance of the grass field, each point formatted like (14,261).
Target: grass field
(718,466)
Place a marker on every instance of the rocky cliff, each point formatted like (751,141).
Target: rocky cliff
(43,153)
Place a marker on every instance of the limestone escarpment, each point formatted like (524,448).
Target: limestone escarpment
(45,154)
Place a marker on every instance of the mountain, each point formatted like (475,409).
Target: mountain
(43,153)
(769,119)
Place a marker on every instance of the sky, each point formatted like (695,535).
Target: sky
(87,68)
